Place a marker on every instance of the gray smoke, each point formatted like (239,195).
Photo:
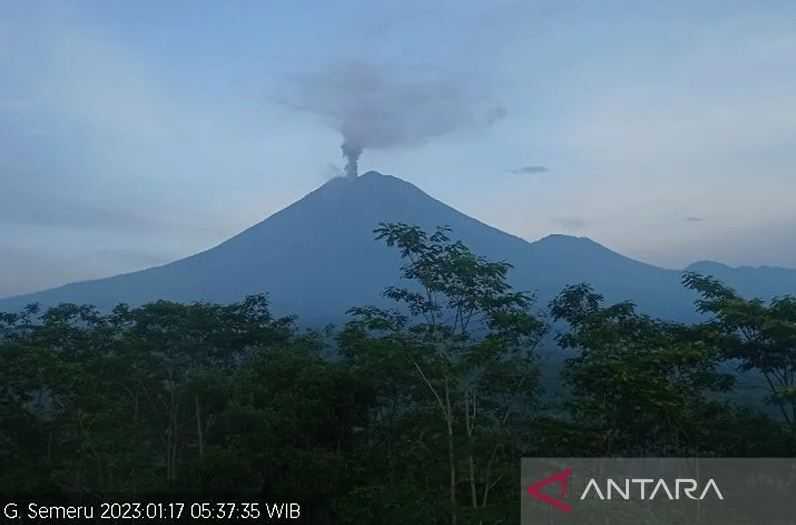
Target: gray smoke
(376,107)
(351,153)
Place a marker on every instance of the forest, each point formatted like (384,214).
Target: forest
(417,414)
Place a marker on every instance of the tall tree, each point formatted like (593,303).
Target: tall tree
(761,335)
(640,385)
(470,340)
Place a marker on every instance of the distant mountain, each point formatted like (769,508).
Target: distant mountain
(751,281)
(317,257)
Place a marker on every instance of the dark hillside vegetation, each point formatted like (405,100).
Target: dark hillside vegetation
(418,413)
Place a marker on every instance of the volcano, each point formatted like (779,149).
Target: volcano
(318,257)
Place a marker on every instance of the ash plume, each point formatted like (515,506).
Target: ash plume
(380,107)
(351,152)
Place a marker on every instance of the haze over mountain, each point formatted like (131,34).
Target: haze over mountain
(317,258)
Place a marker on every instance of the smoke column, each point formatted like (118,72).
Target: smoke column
(351,152)
(376,107)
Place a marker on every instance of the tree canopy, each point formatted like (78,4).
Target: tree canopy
(416,413)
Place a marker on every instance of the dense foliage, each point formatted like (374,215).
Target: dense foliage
(413,415)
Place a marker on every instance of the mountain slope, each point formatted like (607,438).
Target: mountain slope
(762,281)
(317,258)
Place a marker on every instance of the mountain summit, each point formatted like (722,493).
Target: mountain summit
(317,258)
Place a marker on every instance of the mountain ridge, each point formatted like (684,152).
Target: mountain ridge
(317,257)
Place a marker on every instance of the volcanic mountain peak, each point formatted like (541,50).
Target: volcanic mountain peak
(317,257)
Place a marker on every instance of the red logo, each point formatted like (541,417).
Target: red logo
(562,480)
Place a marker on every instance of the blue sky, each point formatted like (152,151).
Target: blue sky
(135,133)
